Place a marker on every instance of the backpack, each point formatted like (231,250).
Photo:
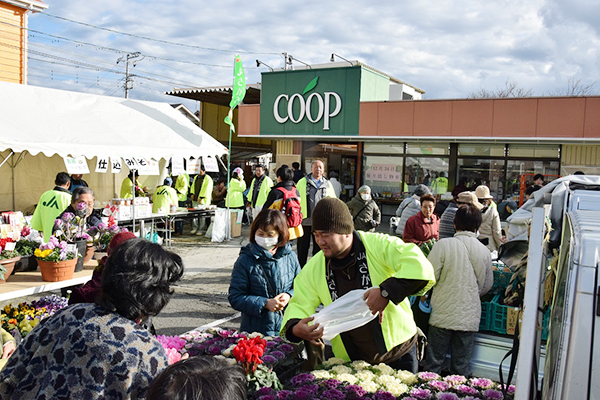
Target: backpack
(290,206)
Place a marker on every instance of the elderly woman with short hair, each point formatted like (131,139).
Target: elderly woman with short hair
(98,351)
(364,210)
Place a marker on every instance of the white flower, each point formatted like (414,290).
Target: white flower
(359,364)
(365,375)
(321,374)
(268,338)
(255,334)
(342,369)
(396,388)
(333,361)
(406,377)
(370,386)
(384,379)
(384,368)
(228,352)
(351,379)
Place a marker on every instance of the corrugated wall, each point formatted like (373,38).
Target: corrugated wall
(580,155)
(12,63)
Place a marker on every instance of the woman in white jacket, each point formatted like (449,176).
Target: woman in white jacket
(463,273)
(490,228)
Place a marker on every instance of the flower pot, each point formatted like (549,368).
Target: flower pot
(89,253)
(81,248)
(26,263)
(53,271)
(9,264)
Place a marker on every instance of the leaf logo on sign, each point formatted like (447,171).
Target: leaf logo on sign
(311,85)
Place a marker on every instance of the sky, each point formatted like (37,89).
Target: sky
(450,49)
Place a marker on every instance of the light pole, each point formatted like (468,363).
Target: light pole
(134,58)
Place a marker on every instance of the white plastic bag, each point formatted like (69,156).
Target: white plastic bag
(346,313)
(221,225)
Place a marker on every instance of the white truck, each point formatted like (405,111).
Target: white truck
(566,367)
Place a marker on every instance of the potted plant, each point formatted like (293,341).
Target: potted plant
(103,234)
(26,245)
(8,259)
(70,227)
(55,261)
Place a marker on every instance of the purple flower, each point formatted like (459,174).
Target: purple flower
(470,398)
(421,394)
(269,359)
(68,216)
(268,397)
(102,226)
(58,223)
(466,390)
(271,344)
(510,389)
(301,379)
(114,229)
(301,394)
(491,394)
(278,354)
(428,376)
(355,391)
(408,398)
(214,350)
(224,333)
(284,395)
(286,348)
(381,395)
(333,394)
(330,383)
(439,385)
(447,396)
(482,383)
(263,391)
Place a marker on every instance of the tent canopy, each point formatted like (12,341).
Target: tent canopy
(50,121)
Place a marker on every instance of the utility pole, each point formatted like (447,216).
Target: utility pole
(130,58)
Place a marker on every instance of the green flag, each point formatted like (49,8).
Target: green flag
(239,91)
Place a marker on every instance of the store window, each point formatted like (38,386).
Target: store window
(428,149)
(483,171)
(534,151)
(384,175)
(470,150)
(426,170)
(528,168)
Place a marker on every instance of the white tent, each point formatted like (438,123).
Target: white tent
(58,123)
(51,121)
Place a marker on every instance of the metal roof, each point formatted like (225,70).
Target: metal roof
(217,94)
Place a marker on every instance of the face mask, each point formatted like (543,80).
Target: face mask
(365,196)
(266,242)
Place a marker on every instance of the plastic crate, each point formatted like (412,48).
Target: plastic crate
(501,280)
(546,324)
(486,316)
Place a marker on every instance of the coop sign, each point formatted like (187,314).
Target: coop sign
(329,104)
(311,102)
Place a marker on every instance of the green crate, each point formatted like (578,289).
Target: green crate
(501,280)
(486,314)
(546,324)
(499,315)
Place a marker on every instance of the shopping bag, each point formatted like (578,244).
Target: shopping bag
(221,228)
(346,313)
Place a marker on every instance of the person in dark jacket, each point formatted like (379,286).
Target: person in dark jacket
(365,213)
(262,276)
(85,195)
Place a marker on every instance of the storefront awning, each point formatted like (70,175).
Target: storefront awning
(50,121)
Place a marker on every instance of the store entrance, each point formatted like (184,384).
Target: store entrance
(339,160)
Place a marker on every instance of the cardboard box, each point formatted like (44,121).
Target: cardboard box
(236,222)
(122,213)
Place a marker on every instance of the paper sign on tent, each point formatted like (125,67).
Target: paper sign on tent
(76,165)
(102,164)
(210,164)
(177,166)
(115,165)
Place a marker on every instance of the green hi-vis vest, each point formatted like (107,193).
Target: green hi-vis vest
(181,186)
(205,193)
(387,256)
(51,205)
(263,191)
(163,198)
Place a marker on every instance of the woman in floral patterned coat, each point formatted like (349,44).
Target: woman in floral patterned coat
(100,351)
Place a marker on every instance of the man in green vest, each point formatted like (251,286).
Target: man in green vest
(259,190)
(182,185)
(201,195)
(163,197)
(440,184)
(389,271)
(51,204)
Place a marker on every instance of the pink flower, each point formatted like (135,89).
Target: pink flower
(173,356)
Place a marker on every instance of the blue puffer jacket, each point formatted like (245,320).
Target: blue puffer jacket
(249,290)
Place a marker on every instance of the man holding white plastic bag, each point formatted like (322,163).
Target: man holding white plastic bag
(348,260)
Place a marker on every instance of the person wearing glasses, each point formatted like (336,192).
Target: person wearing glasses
(82,204)
(423,226)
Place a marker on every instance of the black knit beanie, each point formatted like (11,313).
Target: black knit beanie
(332,215)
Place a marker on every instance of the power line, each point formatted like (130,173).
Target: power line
(152,39)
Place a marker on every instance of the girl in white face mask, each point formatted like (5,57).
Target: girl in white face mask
(262,276)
